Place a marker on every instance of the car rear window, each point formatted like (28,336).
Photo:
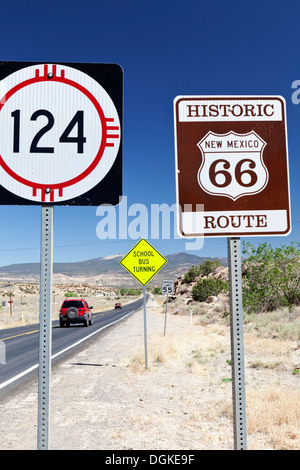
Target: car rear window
(72,303)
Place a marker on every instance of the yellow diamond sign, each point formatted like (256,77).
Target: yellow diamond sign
(143,261)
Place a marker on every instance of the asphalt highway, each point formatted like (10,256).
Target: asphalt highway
(21,345)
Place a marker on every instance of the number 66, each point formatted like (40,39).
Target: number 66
(238,173)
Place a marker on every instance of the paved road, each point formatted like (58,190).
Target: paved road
(22,343)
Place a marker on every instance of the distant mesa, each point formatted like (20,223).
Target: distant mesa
(105,271)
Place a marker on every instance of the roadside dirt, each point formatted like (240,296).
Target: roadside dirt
(104,398)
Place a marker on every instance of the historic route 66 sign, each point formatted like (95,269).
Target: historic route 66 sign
(231,166)
(60,133)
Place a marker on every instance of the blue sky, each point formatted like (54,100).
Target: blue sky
(166,48)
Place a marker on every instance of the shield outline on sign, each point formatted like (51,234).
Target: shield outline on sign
(263,166)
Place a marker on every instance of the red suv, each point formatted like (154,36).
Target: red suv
(75,311)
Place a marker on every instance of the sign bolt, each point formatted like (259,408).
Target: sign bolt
(50,75)
(47,190)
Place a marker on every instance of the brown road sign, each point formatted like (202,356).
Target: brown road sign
(231,166)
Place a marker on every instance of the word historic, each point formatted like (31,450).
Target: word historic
(228,109)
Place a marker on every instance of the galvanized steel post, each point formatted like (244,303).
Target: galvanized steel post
(165,326)
(237,344)
(45,335)
(145,328)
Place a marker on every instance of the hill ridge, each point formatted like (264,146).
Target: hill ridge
(108,266)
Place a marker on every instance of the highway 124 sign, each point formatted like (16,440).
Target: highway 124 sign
(232,166)
(60,133)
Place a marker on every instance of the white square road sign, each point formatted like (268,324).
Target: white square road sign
(167,287)
(60,133)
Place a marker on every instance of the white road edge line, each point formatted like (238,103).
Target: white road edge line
(27,371)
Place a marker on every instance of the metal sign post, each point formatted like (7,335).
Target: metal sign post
(45,337)
(145,328)
(237,344)
(167,288)
(143,262)
(165,327)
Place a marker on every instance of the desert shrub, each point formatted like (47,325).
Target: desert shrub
(205,268)
(156,290)
(124,291)
(134,292)
(206,287)
(271,277)
(191,275)
(208,266)
(70,294)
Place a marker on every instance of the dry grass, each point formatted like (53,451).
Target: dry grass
(279,416)
(273,418)
(272,391)
(159,351)
(280,324)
